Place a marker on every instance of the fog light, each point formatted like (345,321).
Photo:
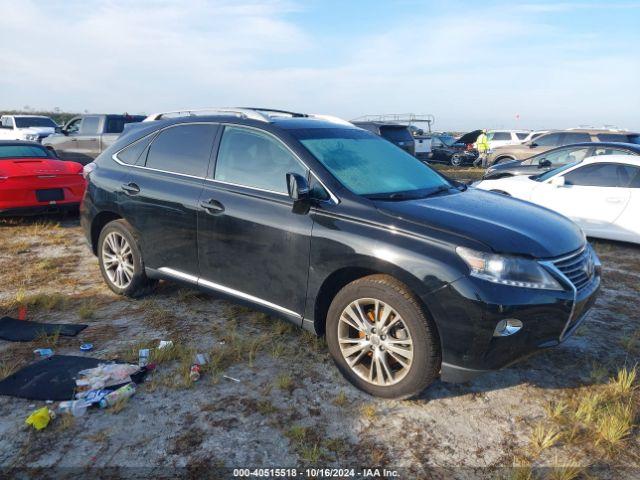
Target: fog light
(507,327)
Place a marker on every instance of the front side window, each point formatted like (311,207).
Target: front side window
(368,165)
(73,126)
(183,149)
(551,140)
(602,175)
(566,155)
(613,137)
(254,159)
(522,135)
(90,125)
(575,137)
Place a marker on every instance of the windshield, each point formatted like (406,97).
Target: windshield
(448,140)
(396,134)
(23,151)
(555,171)
(24,122)
(368,165)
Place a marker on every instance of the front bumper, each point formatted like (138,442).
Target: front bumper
(468,310)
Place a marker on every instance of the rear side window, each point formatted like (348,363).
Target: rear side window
(501,136)
(602,175)
(611,151)
(522,135)
(613,137)
(396,134)
(116,124)
(183,149)
(254,159)
(90,125)
(132,153)
(551,140)
(575,137)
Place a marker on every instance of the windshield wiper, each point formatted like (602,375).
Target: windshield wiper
(440,189)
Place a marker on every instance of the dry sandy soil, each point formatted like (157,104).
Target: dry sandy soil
(558,414)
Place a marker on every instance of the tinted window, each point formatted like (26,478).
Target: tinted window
(183,149)
(522,135)
(611,151)
(551,140)
(24,151)
(396,134)
(116,124)
(601,175)
(501,136)
(368,165)
(131,154)
(565,155)
(613,137)
(24,122)
(90,125)
(575,137)
(635,182)
(254,159)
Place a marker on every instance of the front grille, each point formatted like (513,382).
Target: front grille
(579,268)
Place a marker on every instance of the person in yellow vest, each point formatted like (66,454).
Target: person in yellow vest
(482,145)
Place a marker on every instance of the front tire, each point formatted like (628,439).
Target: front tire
(456,160)
(121,261)
(380,338)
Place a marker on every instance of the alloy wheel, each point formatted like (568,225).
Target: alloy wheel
(117,260)
(375,341)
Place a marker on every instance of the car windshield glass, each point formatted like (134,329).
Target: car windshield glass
(555,171)
(23,151)
(368,165)
(447,140)
(25,122)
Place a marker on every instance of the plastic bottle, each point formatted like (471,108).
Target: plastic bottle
(77,408)
(114,397)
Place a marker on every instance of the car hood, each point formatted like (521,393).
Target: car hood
(470,137)
(504,224)
(38,130)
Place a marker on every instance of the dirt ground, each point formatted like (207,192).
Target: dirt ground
(271,397)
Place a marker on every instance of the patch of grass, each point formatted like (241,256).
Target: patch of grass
(601,418)
(47,341)
(285,382)
(543,438)
(341,399)
(64,422)
(86,311)
(369,411)
(569,471)
(43,302)
(265,407)
(7,367)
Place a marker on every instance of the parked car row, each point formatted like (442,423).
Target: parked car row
(32,128)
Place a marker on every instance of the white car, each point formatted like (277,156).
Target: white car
(601,194)
(26,127)
(498,138)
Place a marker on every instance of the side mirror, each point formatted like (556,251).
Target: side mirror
(533,145)
(543,162)
(297,187)
(557,181)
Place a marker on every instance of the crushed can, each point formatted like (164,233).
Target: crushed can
(143,357)
(194,372)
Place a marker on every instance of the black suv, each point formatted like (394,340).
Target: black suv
(399,135)
(344,234)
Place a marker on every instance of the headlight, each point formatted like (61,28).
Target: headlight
(32,137)
(508,270)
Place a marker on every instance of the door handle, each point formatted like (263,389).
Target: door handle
(74,139)
(212,206)
(131,188)
(614,199)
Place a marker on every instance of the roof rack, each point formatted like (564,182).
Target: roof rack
(253,113)
(407,118)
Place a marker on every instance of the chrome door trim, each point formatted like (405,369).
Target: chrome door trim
(230,291)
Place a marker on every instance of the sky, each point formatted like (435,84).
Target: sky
(492,64)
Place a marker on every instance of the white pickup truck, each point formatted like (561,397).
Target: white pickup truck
(26,127)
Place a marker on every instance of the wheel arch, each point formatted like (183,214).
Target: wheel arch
(98,223)
(338,279)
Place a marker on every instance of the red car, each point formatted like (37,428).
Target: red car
(34,181)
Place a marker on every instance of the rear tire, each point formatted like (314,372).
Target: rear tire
(393,350)
(121,262)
